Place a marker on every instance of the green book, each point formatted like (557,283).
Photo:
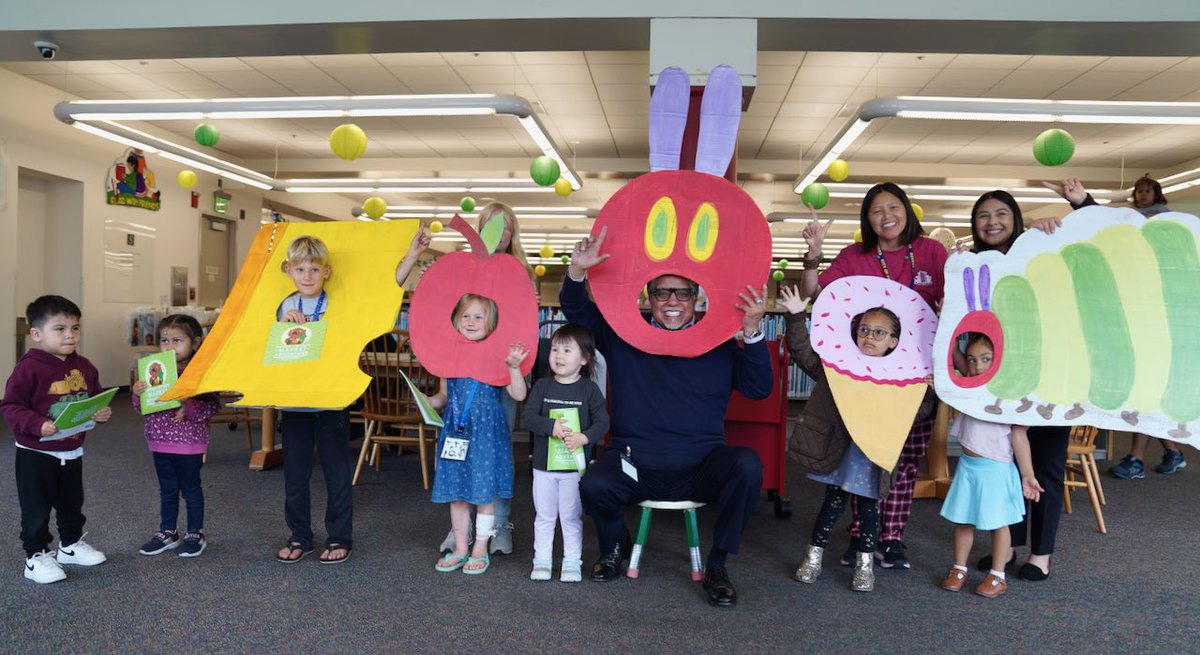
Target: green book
(428,413)
(76,416)
(159,373)
(289,343)
(558,456)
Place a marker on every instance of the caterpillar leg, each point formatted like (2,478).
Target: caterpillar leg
(1026,403)
(994,408)
(1180,432)
(1130,417)
(1075,412)
(1046,411)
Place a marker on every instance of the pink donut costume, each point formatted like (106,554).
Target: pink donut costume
(878,397)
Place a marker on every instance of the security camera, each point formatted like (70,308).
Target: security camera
(46,49)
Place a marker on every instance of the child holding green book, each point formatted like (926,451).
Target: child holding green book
(565,415)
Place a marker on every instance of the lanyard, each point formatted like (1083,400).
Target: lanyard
(320,308)
(912,265)
(461,415)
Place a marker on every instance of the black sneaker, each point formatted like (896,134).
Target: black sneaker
(193,544)
(891,555)
(163,540)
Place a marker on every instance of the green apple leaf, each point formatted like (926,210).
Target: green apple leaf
(492,231)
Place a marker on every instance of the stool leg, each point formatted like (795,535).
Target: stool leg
(693,538)
(643,531)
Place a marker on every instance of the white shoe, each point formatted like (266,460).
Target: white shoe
(572,571)
(541,570)
(80,553)
(42,569)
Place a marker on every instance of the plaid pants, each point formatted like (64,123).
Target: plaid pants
(895,509)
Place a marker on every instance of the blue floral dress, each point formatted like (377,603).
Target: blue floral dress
(487,472)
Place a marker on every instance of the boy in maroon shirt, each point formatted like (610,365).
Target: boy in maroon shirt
(50,473)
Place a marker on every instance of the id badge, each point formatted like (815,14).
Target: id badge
(455,449)
(628,468)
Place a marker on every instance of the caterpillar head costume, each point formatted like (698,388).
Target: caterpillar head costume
(692,224)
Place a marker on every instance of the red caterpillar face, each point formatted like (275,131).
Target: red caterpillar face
(693,225)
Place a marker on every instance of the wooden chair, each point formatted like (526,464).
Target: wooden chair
(1081,463)
(233,416)
(389,409)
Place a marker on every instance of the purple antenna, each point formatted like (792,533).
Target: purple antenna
(969,287)
(668,117)
(985,287)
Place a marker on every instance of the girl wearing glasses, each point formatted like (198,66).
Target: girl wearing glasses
(822,444)
(892,247)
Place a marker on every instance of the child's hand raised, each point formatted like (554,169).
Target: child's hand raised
(517,353)
(789,298)
(1031,489)
(293,316)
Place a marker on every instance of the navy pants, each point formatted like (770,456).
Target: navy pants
(46,483)
(329,433)
(727,476)
(1048,450)
(180,474)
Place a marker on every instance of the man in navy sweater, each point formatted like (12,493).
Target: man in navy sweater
(668,418)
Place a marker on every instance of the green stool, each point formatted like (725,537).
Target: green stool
(693,533)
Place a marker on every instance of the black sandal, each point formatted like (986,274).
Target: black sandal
(332,546)
(293,547)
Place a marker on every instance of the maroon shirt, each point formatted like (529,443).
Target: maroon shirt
(926,280)
(40,385)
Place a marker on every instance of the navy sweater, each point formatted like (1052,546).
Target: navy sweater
(670,408)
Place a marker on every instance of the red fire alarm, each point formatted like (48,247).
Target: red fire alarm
(191,293)
(195,199)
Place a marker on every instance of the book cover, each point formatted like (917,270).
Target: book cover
(159,373)
(558,456)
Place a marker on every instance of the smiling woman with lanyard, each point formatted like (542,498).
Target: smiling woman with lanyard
(892,247)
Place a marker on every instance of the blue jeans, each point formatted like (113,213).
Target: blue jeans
(180,474)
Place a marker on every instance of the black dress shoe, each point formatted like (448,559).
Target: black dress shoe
(719,589)
(1031,573)
(985,563)
(608,567)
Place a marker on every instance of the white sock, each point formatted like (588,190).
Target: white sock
(960,568)
(998,574)
(485,525)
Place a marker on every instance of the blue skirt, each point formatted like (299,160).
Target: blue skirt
(985,493)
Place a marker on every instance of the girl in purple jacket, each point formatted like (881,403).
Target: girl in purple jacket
(178,439)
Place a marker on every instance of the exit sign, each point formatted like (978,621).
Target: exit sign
(221,202)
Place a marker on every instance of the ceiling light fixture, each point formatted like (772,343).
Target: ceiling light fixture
(1001,109)
(101,117)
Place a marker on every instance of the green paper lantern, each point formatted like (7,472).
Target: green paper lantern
(783,264)
(544,171)
(375,207)
(467,204)
(348,141)
(206,135)
(815,195)
(1054,147)
(566,259)
(777,276)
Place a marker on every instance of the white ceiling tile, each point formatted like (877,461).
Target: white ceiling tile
(154,95)
(914,60)
(825,109)
(969,80)
(370,81)
(151,66)
(1147,65)
(247,82)
(214,64)
(626,108)
(1062,63)
(572,92)
(556,58)
(802,123)
(188,83)
(573,108)
(830,75)
(1188,64)
(864,93)
(1098,85)
(1003,62)
(808,94)
(56,67)
(769,93)
(641,57)
(910,78)
(1025,83)
(479,58)
(763,108)
(425,75)
(390,59)
(84,67)
(1166,86)
(510,75)
(781,57)
(77,84)
(440,86)
(776,74)
(279,63)
(620,74)
(306,82)
(752,123)
(841,59)
(126,82)
(557,74)
(624,121)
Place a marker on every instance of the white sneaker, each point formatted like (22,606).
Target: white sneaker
(42,569)
(80,553)
(541,570)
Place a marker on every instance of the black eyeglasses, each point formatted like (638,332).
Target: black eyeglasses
(876,333)
(663,294)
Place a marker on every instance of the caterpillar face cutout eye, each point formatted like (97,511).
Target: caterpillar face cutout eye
(661,229)
(702,235)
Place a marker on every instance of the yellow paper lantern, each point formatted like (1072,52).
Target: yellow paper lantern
(562,188)
(546,252)
(375,207)
(838,170)
(348,141)
(435,227)
(539,270)
(858,236)
(918,211)
(186,179)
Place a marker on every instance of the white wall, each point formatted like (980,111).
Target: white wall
(36,141)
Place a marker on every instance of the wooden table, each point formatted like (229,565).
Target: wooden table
(268,455)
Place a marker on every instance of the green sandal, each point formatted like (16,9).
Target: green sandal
(455,563)
(487,561)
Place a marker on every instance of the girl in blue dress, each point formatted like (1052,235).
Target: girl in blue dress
(475,464)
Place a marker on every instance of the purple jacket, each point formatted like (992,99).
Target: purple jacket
(187,437)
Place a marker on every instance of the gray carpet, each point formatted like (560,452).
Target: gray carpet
(1129,590)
